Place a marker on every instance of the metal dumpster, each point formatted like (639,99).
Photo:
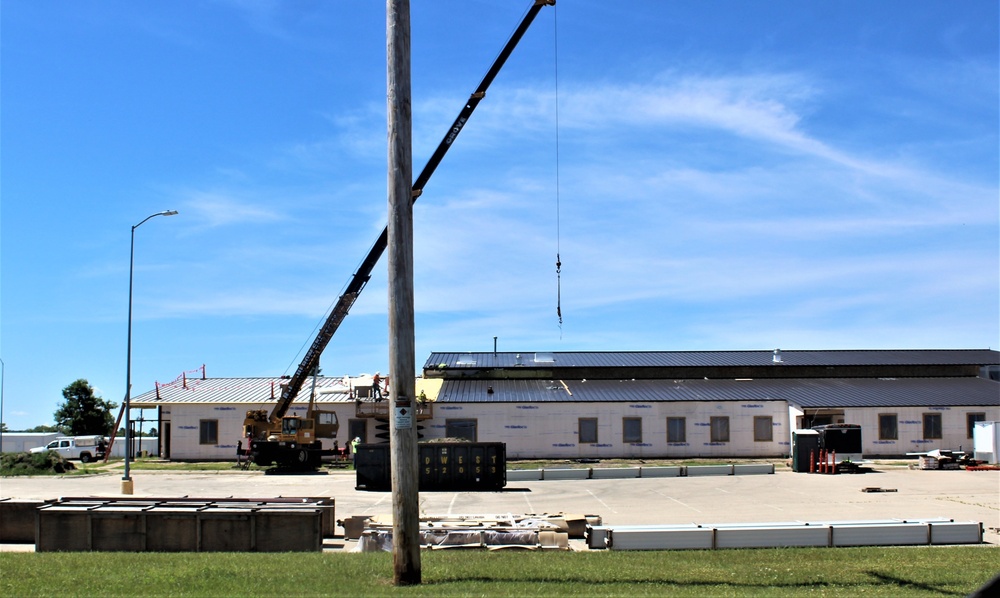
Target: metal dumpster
(444,466)
(805,448)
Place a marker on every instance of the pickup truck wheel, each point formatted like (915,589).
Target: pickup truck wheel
(85,458)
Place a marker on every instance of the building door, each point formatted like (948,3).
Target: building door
(357,428)
(165,439)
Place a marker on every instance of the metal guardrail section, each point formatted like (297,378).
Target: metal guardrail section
(890,532)
(607,473)
(383,409)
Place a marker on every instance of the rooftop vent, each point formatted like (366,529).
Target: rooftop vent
(777,356)
(545,358)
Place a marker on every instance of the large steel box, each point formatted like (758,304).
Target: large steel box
(17,520)
(288,530)
(118,530)
(63,529)
(226,530)
(172,530)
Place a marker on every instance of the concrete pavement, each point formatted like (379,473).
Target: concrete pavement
(783,496)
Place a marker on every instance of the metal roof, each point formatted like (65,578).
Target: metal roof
(810,393)
(240,390)
(659,359)
(804,392)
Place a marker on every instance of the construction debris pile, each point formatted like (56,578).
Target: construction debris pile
(946,459)
(486,532)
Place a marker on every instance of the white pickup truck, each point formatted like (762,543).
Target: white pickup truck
(84,448)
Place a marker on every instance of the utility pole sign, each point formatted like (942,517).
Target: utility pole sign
(403,417)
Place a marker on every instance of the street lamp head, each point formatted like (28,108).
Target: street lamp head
(168,213)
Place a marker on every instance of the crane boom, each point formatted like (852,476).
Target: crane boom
(363,274)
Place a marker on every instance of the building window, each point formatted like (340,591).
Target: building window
(970,422)
(676,429)
(720,428)
(763,428)
(461,428)
(208,431)
(932,426)
(887,426)
(587,430)
(631,430)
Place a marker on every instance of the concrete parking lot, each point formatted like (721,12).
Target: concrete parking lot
(783,496)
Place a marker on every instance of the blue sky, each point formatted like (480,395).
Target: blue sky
(730,176)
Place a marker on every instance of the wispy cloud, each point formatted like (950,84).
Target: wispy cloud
(214,209)
(814,228)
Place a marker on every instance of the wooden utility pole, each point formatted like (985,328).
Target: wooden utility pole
(402,366)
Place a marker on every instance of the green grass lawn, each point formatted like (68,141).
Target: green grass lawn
(157,465)
(910,571)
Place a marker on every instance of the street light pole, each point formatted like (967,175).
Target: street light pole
(126,479)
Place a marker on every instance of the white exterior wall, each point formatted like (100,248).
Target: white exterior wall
(910,426)
(185,427)
(144,443)
(550,430)
(21,442)
(16,442)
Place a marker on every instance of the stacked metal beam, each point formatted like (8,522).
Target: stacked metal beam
(888,532)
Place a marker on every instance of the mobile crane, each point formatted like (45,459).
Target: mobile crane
(294,441)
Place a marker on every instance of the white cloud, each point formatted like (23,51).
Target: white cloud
(211,209)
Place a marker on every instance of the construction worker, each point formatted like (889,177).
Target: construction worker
(354,447)
(377,387)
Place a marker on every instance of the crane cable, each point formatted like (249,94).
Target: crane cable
(555,36)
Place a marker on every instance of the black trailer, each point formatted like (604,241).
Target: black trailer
(844,440)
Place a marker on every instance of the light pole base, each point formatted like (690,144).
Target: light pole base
(127,487)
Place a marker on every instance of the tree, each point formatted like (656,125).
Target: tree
(45,429)
(83,413)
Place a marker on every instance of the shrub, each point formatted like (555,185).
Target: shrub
(48,462)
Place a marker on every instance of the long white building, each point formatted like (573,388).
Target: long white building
(630,404)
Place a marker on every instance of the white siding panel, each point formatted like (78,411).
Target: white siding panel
(902,534)
(956,532)
(550,429)
(185,427)
(763,537)
(910,425)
